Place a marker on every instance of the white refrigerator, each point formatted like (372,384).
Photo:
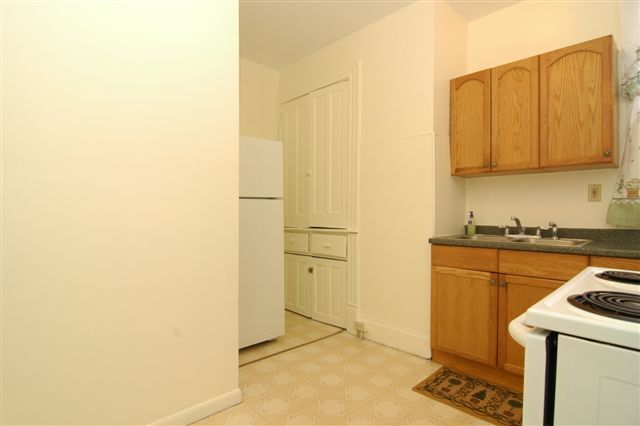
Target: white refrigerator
(261,294)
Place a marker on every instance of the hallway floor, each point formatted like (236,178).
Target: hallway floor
(340,380)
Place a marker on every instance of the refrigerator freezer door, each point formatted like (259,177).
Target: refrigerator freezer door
(261,276)
(261,170)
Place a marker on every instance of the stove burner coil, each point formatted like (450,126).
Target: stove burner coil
(620,277)
(613,304)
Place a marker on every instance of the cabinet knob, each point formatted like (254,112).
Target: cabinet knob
(492,282)
(606,154)
(493,164)
(310,269)
(503,283)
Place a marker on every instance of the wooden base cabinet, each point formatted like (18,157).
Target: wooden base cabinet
(516,294)
(464,313)
(471,309)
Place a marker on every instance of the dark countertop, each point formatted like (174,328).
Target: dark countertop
(605,242)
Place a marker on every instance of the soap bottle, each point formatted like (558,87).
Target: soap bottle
(471,224)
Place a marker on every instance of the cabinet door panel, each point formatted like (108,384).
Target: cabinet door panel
(516,295)
(294,130)
(464,313)
(577,105)
(297,294)
(329,284)
(514,116)
(330,138)
(471,123)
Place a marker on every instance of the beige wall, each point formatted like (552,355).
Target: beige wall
(525,29)
(450,50)
(119,211)
(258,100)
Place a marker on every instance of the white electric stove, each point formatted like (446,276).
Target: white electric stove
(582,351)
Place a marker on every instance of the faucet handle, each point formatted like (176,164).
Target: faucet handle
(538,233)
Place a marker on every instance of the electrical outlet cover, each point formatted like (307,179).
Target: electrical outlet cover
(594,192)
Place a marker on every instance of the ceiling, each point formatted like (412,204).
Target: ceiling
(278,32)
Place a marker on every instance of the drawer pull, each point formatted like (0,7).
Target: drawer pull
(327,245)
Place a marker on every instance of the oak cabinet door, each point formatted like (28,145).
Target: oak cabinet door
(514,116)
(577,105)
(294,131)
(464,313)
(516,295)
(471,124)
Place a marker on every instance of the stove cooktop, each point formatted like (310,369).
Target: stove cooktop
(557,312)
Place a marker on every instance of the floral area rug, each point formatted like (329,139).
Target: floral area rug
(488,402)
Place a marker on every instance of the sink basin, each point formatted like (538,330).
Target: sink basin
(490,238)
(561,242)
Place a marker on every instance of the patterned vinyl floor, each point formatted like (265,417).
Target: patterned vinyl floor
(339,380)
(299,330)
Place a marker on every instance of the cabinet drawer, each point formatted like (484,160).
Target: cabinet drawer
(542,265)
(479,259)
(615,262)
(296,241)
(329,245)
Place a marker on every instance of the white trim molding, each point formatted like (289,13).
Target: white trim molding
(204,409)
(397,337)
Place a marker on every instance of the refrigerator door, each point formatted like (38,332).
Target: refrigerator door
(261,275)
(261,170)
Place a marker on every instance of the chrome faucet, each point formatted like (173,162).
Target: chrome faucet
(519,228)
(554,230)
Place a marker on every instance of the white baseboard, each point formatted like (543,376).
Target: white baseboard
(202,410)
(397,337)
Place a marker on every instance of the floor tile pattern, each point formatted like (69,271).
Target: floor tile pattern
(340,380)
(299,330)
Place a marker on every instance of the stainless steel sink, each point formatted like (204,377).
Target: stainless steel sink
(489,238)
(519,239)
(561,242)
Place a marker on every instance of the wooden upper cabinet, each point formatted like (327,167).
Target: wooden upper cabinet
(577,105)
(471,123)
(514,116)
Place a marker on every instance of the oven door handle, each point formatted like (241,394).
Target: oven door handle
(519,330)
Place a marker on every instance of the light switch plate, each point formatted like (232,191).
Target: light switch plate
(594,192)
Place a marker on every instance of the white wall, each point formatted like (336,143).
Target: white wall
(396,166)
(258,100)
(119,211)
(525,29)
